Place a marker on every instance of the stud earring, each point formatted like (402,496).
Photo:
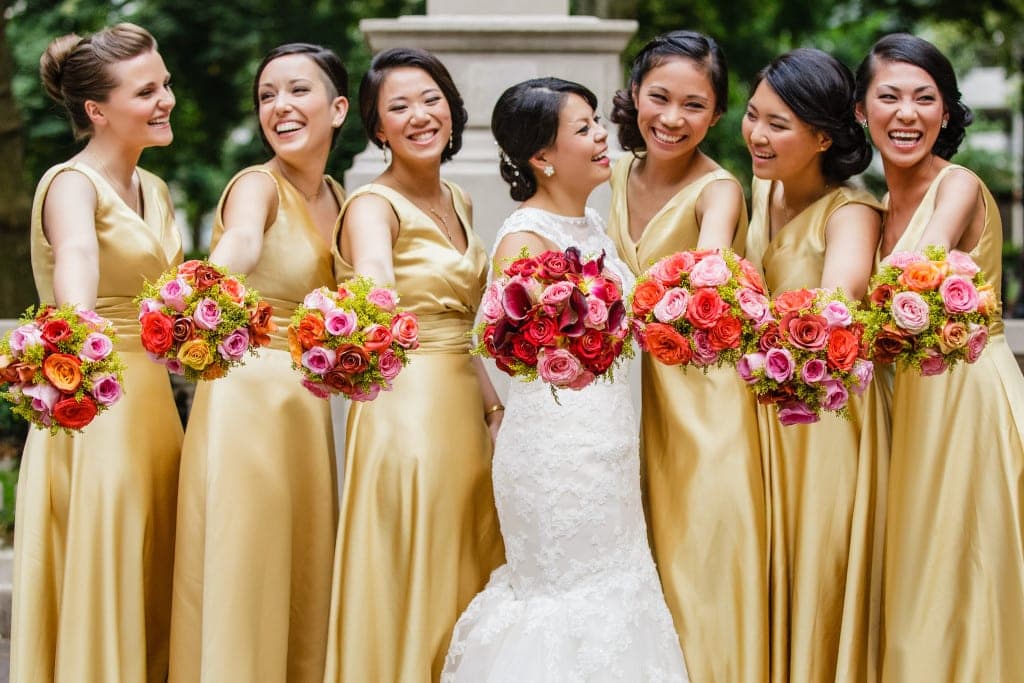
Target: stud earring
(864,124)
(549,170)
(945,122)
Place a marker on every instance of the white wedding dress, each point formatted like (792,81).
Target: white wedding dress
(579,598)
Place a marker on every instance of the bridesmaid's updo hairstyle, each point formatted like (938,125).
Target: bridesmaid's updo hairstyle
(820,91)
(903,47)
(75,69)
(525,121)
(334,73)
(399,57)
(697,47)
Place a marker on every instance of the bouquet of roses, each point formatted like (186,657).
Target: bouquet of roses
(198,320)
(699,308)
(556,317)
(929,310)
(810,357)
(59,367)
(352,340)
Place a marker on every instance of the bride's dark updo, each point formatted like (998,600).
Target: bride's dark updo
(525,121)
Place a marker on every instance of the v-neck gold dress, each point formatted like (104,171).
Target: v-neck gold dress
(94,541)
(826,486)
(704,480)
(418,535)
(257,504)
(954,564)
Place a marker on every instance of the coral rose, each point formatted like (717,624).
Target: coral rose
(646,296)
(725,334)
(73,413)
(234,289)
(921,276)
(377,338)
(667,346)
(63,371)
(157,332)
(793,301)
(842,349)
(406,330)
(705,307)
(750,277)
(806,331)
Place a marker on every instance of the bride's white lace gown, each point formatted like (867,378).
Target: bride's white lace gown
(579,598)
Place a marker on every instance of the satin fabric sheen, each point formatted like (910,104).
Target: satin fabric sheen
(418,535)
(94,541)
(703,477)
(954,575)
(258,502)
(826,486)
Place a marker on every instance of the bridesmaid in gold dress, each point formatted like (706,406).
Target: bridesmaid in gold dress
(258,493)
(419,535)
(808,228)
(94,542)
(704,482)
(954,564)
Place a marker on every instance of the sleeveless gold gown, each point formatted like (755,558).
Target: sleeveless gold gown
(258,494)
(704,481)
(826,486)
(94,542)
(954,565)
(418,535)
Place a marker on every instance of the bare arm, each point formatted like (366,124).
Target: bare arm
(249,209)
(959,213)
(851,238)
(718,211)
(70,227)
(368,233)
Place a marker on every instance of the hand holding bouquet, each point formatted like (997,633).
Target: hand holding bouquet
(59,367)
(699,308)
(811,359)
(555,317)
(352,340)
(199,321)
(929,310)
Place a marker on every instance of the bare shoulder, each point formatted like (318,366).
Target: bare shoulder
(958,188)
(855,214)
(71,185)
(723,190)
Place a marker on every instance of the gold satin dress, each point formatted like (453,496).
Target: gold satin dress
(704,482)
(94,541)
(257,503)
(954,565)
(418,536)
(826,490)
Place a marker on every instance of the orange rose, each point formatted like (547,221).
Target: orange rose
(988,303)
(16,371)
(668,346)
(294,345)
(261,323)
(793,301)
(311,330)
(188,268)
(63,371)
(206,276)
(881,295)
(645,296)
(214,371)
(921,276)
(842,349)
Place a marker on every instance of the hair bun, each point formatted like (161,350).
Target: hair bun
(51,64)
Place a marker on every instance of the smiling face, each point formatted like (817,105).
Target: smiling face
(781,145)
(138,109)
(904,111)
(675,105)
(415,119)
(298,109)
(579,153)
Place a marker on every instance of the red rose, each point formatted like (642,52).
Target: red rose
(74,414)
(351,359)
(668,346)
(206,276)
(609,352)
(552,265)
(487,338)
(881,295)
(705,308)
(842,350)
(645,296)
(769,337)
(806,331)
(183,329)
(524,266)
(725,334)
(524,350)
(56,330)
(588,346)
(541,331)
(780,394)
(157,332)
(337,379)
(793,301)
(377,338)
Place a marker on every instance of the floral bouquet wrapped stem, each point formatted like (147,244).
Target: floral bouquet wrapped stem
(352,340)
(929,310)
(810,357)
(555,317)
(199,321)
(699,308)
(59,368)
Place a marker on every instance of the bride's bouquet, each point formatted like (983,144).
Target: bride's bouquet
(352,340)
(809,357)
(699,308)
(59,368)
(555,317)
(198,320)
(929,311)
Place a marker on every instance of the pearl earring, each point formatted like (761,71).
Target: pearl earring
(549,170)
(945,122)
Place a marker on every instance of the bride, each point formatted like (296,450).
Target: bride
(579,598)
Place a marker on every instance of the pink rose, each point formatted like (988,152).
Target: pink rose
(836,395)
(585,379)
(406,330)
(902,259)
(207,314)
(174,293)
(837,314)
(796,413)
(340,322)
(962,264)
(813,371)
(557,293)
(25,337)
(149,306)
(92,319)
(779,364)
(754,306)
(234,345)
(863,371)
(910,311)
(597,312)
(106,389)
(44,396)
(319,359)
(368,395)
(316,388)
(383,298)
(976,341)
(390,365)
(710,271)
(558,367)
(959,294)
(934,363)
(319,299)
(672,305)
(748,365)
(490,305)
(704,352)
(173,365)
(96,347)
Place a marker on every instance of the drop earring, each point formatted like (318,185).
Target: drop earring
(945,122)
(385,148)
